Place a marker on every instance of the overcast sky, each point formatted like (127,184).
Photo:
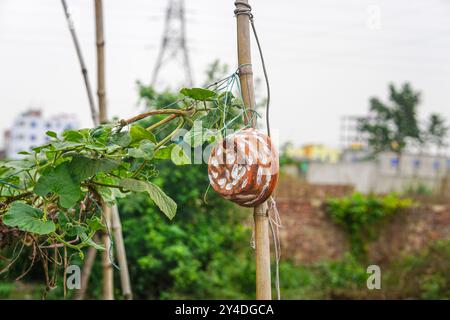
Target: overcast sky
(325,58)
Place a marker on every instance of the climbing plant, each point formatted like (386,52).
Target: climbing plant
(52,198)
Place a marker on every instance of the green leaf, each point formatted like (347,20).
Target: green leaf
(165,152)
(226,98)
(122,139)
(198,135)
(145,150)
(101,133)
(22,164)
(74,230)
(106,194)
(64,145)
(211,118)
(27,218)
(52,134)
(138,134)
(84,237)
(72,135)
(175,153)
(136,153)
(82,168)
(198,94)
(40,148)
(95,224)
(58,180)
(96,146)
(164,202)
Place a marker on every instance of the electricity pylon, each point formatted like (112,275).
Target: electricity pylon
(173,46)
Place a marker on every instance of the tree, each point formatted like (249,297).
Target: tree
(437,130)
(215,70)
(392,126)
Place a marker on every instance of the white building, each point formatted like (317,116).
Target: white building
(384,174)
(29,128)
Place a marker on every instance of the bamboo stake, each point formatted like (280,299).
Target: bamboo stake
(92,252)
(116,224)
(81,60)
(263,281)
(116,227)
(108,272)
(100,42)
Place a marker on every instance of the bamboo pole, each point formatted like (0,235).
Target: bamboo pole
(81,60)
(262,244)
(108,272)
(100,42)
(116,227)
(116,224)
(107,267)
(92,252)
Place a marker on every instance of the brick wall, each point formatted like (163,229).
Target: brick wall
(309,236)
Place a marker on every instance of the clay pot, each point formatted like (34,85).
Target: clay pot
(244,167)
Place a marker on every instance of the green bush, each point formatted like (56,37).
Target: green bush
(323,280)
(6,289)
(422,275)
(418,275)
(361,215)
(299,282)
(344,273)
(419,190)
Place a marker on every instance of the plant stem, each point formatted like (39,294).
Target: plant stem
(163,141)
(180,112)
(19,196)
(103,184)
(139,169)
(163,121)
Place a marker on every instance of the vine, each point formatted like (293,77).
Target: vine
(51,199)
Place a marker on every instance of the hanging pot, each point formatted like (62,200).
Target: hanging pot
(244,167)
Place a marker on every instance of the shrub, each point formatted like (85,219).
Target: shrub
(418,275)
(422,275)
(360,216)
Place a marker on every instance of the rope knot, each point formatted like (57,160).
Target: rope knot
(243,8)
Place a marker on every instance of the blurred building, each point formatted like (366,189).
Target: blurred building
(350,136)
(384,173)
(29,130)
(355,153)
(313,153)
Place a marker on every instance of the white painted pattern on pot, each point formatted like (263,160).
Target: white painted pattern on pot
(244,167)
